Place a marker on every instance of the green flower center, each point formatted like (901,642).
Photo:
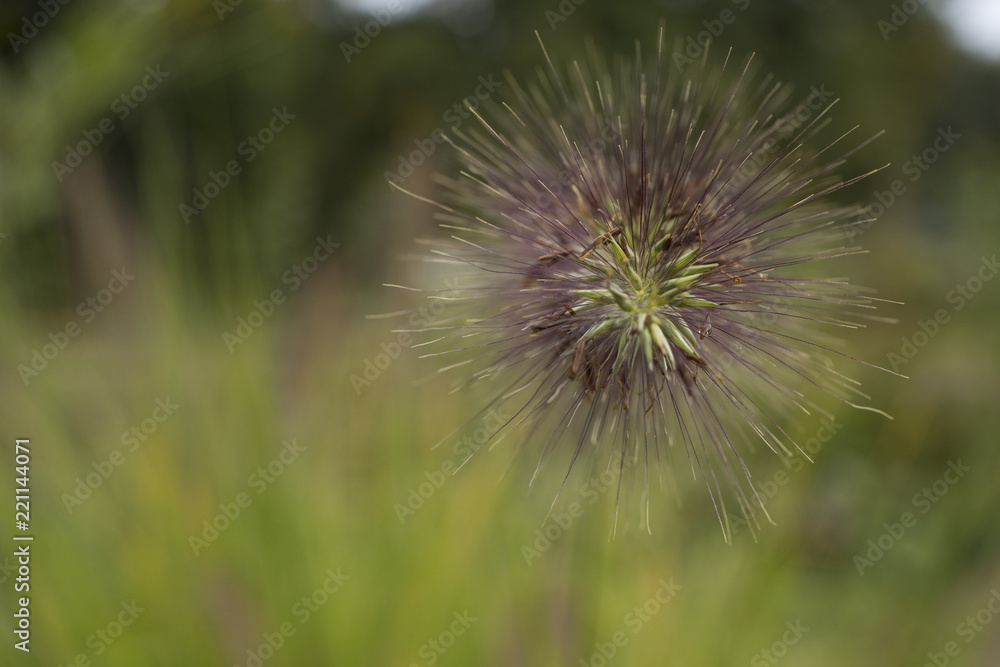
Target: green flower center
(647,307)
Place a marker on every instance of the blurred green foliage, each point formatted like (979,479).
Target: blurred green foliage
(228,67)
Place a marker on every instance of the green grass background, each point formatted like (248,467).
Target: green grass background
(333,508)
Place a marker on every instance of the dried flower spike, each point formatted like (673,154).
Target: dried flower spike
(636,242)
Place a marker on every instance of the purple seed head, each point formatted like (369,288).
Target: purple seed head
(635,241)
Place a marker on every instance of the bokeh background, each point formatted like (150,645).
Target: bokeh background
(156,98)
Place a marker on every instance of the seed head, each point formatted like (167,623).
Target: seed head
(636,242)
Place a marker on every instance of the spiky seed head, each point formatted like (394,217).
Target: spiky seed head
(635,241)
